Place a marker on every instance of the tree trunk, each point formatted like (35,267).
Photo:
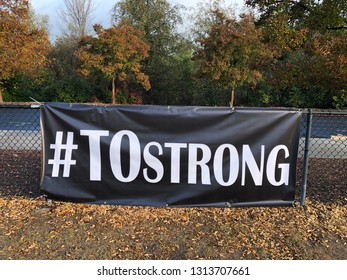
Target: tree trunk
(114,91)
(232,96)
(1,99)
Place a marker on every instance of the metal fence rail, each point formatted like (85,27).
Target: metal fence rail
(20,150)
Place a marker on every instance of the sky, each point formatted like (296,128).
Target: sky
(51,8)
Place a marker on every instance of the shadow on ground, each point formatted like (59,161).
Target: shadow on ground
(20,173)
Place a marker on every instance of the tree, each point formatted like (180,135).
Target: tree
(62,57)
(116,52)
(69,83)
(288,24)
(158,20)
(23,44)
(308,39)
(232,51)
(76,17)
(322,15)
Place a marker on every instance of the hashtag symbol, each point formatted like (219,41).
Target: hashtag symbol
(58,147)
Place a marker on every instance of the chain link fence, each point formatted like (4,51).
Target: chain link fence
(20,153)
(20,150)
(327,155)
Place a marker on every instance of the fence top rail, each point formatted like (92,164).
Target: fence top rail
(330,113)
(20,105)
(323,112)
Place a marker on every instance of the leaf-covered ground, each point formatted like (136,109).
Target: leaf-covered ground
(32,228)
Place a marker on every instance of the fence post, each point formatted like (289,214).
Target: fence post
(305,163)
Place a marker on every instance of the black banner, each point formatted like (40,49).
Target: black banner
(169,156)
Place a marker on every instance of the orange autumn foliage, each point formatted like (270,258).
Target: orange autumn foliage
(23,45)
(117,52)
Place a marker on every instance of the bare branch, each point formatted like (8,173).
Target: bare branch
(77,17)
